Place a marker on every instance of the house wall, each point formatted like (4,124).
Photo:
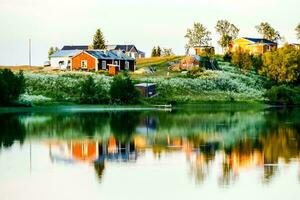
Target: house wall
(257,48)
(55,62)
(92,63)
(203,51)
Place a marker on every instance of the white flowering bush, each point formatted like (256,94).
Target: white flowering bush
(238,85)
(62,86)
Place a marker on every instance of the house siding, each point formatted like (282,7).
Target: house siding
(91,61)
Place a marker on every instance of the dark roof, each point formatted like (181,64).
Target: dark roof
(124,48)
(109,55)
(260,40)
(76,47)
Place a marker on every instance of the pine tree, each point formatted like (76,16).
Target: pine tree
(98,41)
(154,52)
(158,51)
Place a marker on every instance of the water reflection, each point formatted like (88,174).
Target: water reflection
(235,141)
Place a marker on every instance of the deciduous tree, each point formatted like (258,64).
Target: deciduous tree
(227,32)
(197,36)
(268,32)
(298,31)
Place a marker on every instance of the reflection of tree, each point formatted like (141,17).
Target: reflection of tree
(11,130)
(123,124)
(227,177)
(269,172)
(99,168)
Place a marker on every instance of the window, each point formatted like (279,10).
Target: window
(116,63)
(103,64)
(84,64)
(61,63)
(126,65)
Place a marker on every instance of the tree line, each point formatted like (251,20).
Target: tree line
(199,35)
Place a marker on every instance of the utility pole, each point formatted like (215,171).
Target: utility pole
(29,52)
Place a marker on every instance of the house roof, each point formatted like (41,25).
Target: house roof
(65,53)
(259,40)
(141,52)
(124,48)
(109,55)
(76,47)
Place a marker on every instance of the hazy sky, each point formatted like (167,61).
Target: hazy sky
(144,23)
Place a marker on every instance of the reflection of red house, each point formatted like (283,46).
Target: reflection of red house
(85,151)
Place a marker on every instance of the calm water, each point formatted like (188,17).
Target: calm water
(190,153)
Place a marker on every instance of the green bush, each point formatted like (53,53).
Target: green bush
(92,93)
(283,95)
(227,57)
(122,90)
(241,59)
(11,86)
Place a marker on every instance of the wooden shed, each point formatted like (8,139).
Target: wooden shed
(147,89)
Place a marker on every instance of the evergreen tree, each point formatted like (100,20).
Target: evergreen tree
(154,52)
(98,41)
(158,51)
(298,31)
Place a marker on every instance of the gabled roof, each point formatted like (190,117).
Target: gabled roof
(65,53)
(76,47)
(124,48)
(109,55)
(260,40)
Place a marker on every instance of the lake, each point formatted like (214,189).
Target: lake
(215,152)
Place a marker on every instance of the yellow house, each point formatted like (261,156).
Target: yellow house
(204,50)
(252,45)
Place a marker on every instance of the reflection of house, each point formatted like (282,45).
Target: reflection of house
(62,59)
(84,151)
(252,45)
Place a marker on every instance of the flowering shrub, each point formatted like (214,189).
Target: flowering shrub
(62,86)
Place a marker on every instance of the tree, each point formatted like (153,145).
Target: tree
(92,93)
(122,90)
(154,52)
(52,50)
(197,36)
(298,31)
(11,86)
(282,65)
(98,40)
(227,32)
(167,52)
(158,51)
(268,32)
(241,59)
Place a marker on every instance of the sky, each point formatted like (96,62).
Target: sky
(144,23)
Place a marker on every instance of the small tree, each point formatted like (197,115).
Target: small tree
(298,31)
(227,32)
(197,36)
(52,50)
(241,59)
(268,32)
(122,90)
(167,52)
(92,93)
(98,40)
(158,51)
(154,52)
(11,86)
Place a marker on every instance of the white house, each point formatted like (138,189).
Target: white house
(63,58)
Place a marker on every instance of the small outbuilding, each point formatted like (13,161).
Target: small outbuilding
(63,59)
(147,89)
